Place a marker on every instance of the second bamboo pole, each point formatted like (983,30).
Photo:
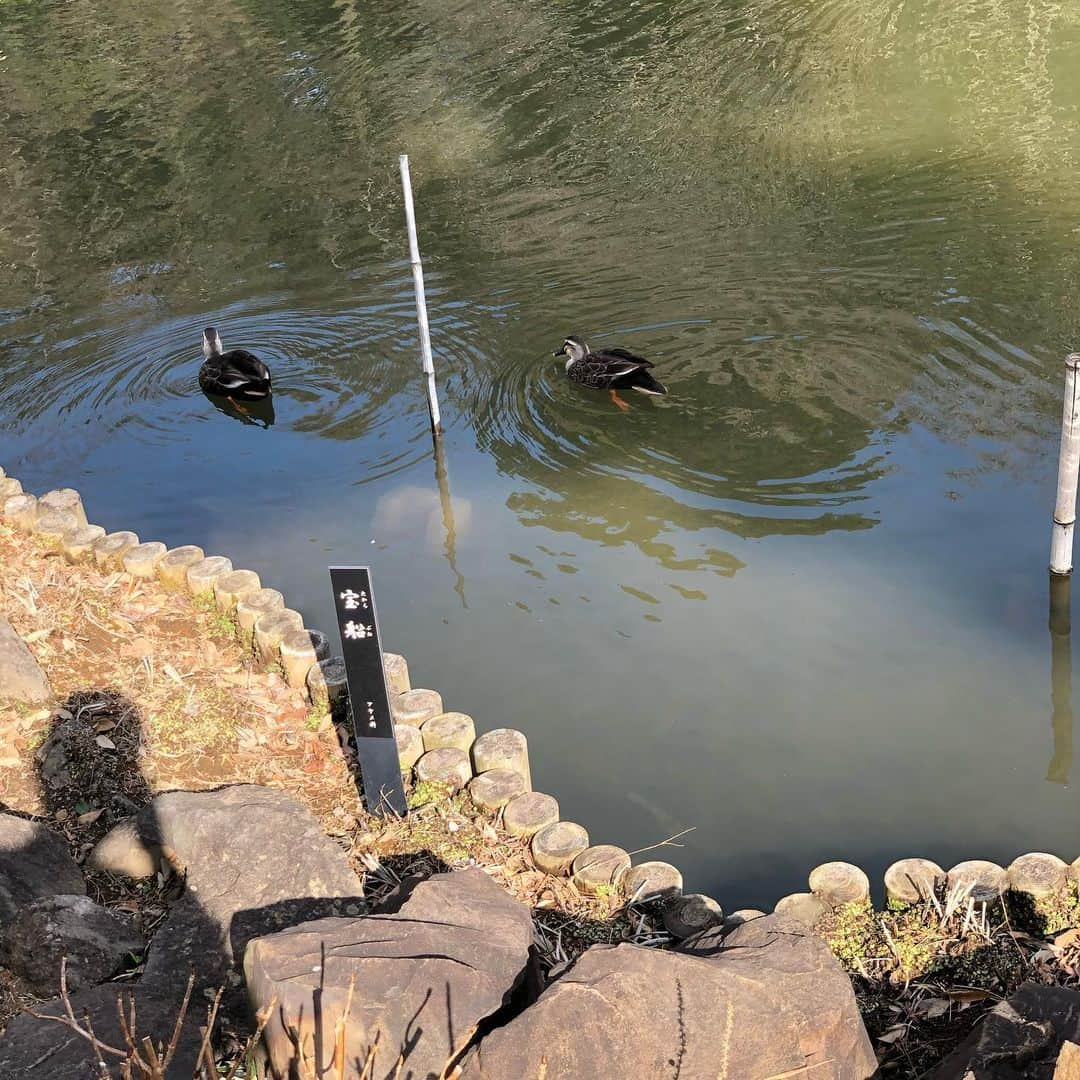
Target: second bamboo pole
(1061,540)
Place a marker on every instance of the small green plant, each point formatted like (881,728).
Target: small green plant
(427,792)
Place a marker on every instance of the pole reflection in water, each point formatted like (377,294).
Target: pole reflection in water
(1061,678)
(442,478)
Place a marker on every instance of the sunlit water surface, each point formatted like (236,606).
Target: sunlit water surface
(799,604)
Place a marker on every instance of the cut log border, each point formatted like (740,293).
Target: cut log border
(492,766)
(505,785)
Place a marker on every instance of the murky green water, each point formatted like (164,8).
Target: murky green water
(800,603)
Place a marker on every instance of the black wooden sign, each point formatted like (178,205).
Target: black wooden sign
(373,723)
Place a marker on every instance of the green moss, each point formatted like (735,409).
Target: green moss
(427,792)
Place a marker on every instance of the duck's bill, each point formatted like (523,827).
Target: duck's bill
(559,352)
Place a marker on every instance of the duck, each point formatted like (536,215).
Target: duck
(236,374)
(609,369)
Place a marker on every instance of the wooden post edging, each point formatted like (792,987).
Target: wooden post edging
(1061,537)
(421,300)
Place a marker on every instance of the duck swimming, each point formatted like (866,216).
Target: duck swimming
(609,369)
(236,374)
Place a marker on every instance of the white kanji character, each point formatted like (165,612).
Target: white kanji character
(356,631)
(352,599)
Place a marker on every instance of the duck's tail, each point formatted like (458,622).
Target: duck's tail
(644,383)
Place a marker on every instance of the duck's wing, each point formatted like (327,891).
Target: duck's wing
(245,366)
(624,355)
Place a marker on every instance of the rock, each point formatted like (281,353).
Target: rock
(410,746)
(1068,1062)
(43,1050)
(34,863)
(95,942)
(1019,1038)
(780,1006)
(685,916)
(122,852)
(426,975)
(254,859)
(21,678)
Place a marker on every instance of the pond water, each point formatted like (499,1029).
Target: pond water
(799,604)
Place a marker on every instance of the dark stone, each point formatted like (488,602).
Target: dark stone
(33,863)
(21,678)
(452,955)
(772,1001)
(95,942)
(1021,1037)
(44,1050)
(253,859)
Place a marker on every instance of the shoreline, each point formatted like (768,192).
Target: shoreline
(191,689)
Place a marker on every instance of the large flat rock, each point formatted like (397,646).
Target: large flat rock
(1019,1038)
(21,679)
(426,975)
(771,1002)
(34,863)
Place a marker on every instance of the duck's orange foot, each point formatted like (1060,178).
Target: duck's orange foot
(618,401)
(236,405)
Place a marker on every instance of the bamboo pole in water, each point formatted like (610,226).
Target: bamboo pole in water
(1061,718)
(1061,541)
(421,302)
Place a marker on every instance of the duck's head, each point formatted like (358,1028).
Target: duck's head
(574,348)
(211,343)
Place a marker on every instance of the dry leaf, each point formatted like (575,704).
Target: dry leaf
(37,635)
(104,725)
(105,742)
(1067,939)
(90,817)
(929,1008)
(172,673)
(894,1034)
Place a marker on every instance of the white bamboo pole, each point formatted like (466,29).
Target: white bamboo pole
(1061,540)
(421,302)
